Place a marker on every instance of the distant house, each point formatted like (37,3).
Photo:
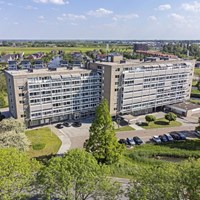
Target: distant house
(10,57)
(12,65)
(77,64)
(101,57)
(35,56)
(38,64)
(25,64)
(64,63)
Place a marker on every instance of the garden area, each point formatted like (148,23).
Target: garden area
(43,142)
(152,156)
(124,128)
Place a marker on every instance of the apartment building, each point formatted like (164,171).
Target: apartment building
(140,87)
(42,96)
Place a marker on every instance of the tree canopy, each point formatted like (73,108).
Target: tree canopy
(170,116)
(12,135)
(17,173)
(102,142)
(76,176)
(150,118)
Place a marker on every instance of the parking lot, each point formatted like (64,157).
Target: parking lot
(78,135)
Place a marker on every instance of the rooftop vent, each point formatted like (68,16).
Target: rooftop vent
(122,61)
(52,69)
(30,70)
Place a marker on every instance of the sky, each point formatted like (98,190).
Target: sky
(100,19)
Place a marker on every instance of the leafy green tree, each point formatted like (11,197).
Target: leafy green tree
(12,135)
(102,142)
(17,174)
(170,117)
(2,101)
(76,176)
(150,118)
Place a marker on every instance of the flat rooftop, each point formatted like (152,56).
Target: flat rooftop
(185,106)
(45,71)
(137,63)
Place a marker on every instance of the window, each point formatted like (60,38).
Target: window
(21,94)
(117,70)
(21,87)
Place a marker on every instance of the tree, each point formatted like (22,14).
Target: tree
(170,117)
(2,101)
(150,118)
(76,176)
(17,174)
(169,181)
(102,142)
(12,135)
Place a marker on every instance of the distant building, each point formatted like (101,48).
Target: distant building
(38,64)
(64,63)
(140,47)
(12,65)
(25,64)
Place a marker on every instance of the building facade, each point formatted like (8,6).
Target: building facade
(43,96)
(143,87)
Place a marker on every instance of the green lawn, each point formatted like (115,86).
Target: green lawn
(196,71)
(150,155)
(30,50)
(44,142)
(160,123)
(194,83)
(124,128)
(195,101)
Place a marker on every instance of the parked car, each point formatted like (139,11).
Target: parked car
(182,135)
(130,141)
(163,138)
(175,136)
(156,139)
(66,124)
(169,137)
(123,141)
(77,124)
(59,126)
(197,133)
(137,140)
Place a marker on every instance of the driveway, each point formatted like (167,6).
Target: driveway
(77,136)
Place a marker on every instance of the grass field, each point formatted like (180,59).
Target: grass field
(124,128)
(30,50)
(44,142)
(160,123)
(195,101)
(197,71)
(150,155)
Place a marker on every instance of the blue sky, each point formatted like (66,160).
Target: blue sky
(99,19)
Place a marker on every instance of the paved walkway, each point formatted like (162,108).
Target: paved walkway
(136,127)
(66,142)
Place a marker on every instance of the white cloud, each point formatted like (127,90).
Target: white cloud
(152,18)
(164,7)
(71,17)
(16,23)
(2,2)
(99,12)
(41,17)
(10,4)
(177,17)
(28,7)
(125,17)
(194,7)
(58,2)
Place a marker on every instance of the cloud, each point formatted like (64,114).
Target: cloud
(58,2)
(193,7)
(125,17)
(28,7)
(41,17)
(16,23)
(71,17)
(164,7)
(152,18)
(99,12)
(177,17)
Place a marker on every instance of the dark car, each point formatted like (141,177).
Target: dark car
(66,124)
(163,138)
(175,136)
(182,135)
(59,126)
(130,141)
(123,141)
(137,140)
(77,124)
(169,137)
